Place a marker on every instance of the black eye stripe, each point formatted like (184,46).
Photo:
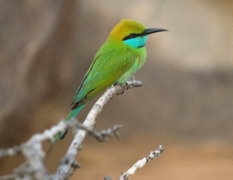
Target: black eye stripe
(144,33)
(130,36)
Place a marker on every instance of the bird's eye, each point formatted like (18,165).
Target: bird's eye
(130,36)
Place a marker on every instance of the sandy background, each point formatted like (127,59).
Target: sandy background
(186,102)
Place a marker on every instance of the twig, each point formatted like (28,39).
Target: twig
(68,164)
(107,178)
(8,177)
(33,167)
(32,151)
(10,152)
(139,164)
(103,135)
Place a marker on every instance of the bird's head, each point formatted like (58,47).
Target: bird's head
(132,33)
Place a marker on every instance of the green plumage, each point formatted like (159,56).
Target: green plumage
(116,61)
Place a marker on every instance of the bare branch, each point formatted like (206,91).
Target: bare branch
(33,167)
(32,151)
(139,164)
(68,164)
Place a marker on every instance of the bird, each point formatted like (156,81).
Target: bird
(122,55)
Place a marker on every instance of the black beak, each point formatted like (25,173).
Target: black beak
(146,32)
(152,30)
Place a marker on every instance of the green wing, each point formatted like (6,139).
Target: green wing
(107,67)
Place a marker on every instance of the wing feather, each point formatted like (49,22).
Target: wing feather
(107,67)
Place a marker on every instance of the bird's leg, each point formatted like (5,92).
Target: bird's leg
(132,83)
(129,83)
(132,78)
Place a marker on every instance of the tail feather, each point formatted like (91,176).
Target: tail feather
(51,147)
(71,115)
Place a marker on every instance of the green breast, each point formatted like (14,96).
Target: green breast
(138,56)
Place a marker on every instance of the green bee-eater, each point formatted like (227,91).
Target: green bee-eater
(116,61)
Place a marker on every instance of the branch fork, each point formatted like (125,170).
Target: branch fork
(34,168)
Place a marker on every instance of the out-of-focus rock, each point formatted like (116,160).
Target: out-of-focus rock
(37,40)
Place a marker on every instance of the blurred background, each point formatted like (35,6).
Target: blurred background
(186,102)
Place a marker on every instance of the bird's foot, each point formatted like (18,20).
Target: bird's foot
(132,83)
(132,78)
(122,89)
(129,84)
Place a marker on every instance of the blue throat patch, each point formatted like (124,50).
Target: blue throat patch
(137,42)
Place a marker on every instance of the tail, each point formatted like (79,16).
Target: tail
(70,116)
